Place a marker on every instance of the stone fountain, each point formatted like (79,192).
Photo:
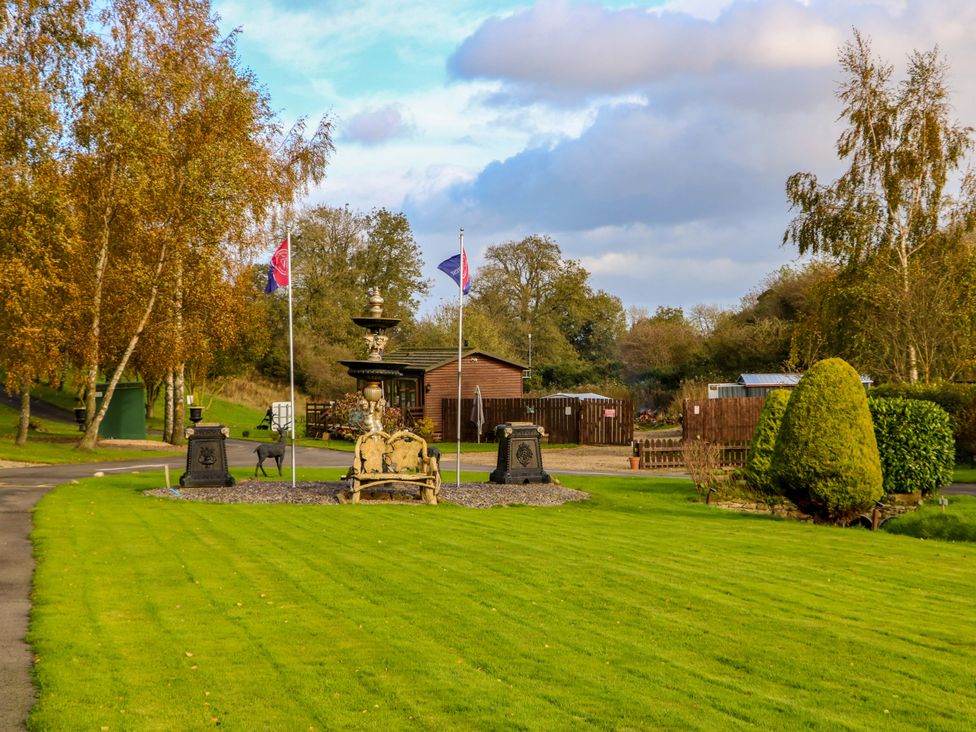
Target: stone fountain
(374,370)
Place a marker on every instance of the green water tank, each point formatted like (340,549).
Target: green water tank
(126,415)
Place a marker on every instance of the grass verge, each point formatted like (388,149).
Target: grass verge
(963,474)
(956,523)
(55,443)
(641,608)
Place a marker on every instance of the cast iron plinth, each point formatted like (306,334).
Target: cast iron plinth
(206,458)
(519,454)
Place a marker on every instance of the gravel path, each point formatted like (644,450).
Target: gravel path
(469,495)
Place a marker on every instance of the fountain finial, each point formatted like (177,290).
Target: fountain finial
(375,303)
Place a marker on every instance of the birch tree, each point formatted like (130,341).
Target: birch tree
(179,155)
(895,200)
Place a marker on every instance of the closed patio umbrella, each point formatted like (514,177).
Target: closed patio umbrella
(478,411)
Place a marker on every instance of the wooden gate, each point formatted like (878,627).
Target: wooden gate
(606,422)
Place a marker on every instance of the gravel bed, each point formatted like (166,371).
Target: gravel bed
(469,495)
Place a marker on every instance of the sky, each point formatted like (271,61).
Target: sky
(651,140)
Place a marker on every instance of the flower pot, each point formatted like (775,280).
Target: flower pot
(634,462)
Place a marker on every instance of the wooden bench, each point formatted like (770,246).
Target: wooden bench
(402,457)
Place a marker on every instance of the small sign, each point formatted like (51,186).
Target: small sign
(609,412)
(569,411)
(697,409)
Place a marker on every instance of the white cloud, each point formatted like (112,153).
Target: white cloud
(558,47)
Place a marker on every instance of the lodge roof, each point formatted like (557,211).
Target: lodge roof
(780,379)
(428,359)
(577,395)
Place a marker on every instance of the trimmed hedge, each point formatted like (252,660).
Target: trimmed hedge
(915,443)
(959,400)
(756,470)
(953,398)
(826,456)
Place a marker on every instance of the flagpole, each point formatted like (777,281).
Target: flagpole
(291,360)
(460,341)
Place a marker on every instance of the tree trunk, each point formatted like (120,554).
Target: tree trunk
(24,423)
(179,404)
(168,413)
(906,317)
(91,432)
(94,351)
(152,392)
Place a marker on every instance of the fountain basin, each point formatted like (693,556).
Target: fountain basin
(374,370)
(372,323)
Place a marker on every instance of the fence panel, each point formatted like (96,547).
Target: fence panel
(666,452)
(557,416)
(661,452)
(566,421)
(724,421)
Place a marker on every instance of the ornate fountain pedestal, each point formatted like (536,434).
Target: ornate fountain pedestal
(381,458)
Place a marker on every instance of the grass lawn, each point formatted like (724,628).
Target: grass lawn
(639,609)
(56,443)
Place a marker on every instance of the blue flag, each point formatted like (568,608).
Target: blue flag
(456,268)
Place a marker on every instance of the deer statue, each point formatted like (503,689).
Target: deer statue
(274,450)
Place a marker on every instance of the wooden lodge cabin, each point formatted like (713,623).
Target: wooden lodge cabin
(431,376)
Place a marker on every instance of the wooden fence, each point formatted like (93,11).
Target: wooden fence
(316,418)
(724,421)
(666,452)
(566,421)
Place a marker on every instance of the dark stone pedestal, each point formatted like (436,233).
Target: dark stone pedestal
(519,454)
(206,458)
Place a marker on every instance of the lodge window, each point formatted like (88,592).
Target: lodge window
(403,393)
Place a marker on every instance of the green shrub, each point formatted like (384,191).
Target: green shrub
(424,428)
(826,456)
(915,443)
(756,470)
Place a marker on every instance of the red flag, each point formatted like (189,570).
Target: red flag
(278,269)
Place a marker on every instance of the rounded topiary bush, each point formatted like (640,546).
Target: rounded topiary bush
(915,443)
(826,456)
(756,470)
